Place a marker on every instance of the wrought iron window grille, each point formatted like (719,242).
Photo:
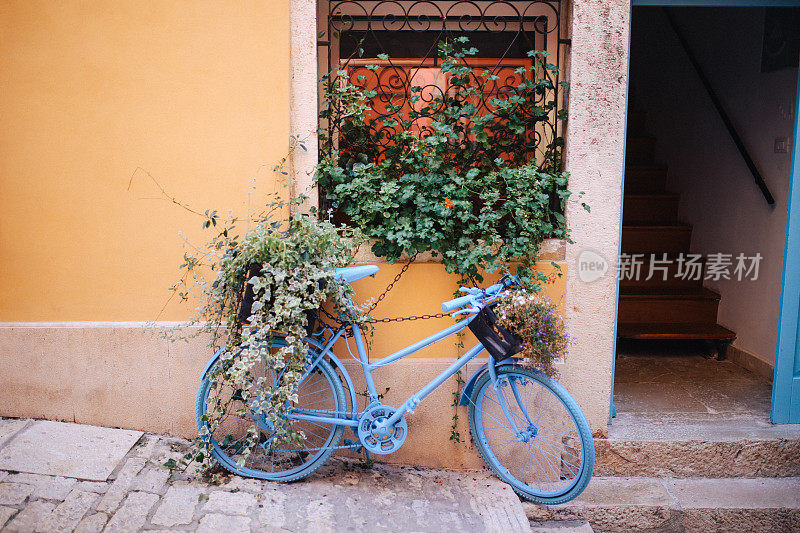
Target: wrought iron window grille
(356,33)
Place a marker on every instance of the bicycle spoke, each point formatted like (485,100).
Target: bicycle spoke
(264,456)
(547,456)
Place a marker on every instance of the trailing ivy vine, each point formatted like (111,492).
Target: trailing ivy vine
(288,260)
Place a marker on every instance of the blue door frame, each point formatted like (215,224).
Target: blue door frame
(786,380)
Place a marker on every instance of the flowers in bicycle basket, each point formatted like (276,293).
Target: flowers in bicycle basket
(535,319)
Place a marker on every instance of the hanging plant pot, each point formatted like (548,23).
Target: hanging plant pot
(248,297)
(497,340)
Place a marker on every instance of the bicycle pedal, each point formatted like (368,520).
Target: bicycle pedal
(354,445)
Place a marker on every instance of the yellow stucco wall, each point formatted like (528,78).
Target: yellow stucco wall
(195,92)
(421,291)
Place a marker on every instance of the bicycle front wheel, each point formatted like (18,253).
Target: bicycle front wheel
(547,454)
(244,442)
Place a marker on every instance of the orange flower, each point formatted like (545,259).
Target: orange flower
(449,203)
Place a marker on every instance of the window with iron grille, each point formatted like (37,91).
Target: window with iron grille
(355,34)
(392,49)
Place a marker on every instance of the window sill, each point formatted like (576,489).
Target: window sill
(551,250)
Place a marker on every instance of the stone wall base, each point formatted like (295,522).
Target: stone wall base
(121,375)
(750,361)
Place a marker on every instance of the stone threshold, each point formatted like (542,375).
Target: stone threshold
(697,427)
(691,446)
(698,504)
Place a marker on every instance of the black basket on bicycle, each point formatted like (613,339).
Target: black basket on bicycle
(248,297)
(497,340)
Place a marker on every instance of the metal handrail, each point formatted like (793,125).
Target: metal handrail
(737,140)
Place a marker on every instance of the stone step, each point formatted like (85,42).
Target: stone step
(685,446)
(701,504)
(561,526)
(640,150)
(647,239)
(644,179)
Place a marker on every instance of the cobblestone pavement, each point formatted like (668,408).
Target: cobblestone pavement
(344,495)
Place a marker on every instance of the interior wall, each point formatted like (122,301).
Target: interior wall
(719,197)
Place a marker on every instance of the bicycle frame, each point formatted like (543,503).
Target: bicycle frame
(411,403)
(382,429)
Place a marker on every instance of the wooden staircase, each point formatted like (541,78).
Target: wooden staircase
(675,308)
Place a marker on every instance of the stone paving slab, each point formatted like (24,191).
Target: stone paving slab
(346,495)
(10,427)
(70,450)
(139,494)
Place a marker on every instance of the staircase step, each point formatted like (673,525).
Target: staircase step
(637,124)
(638,269)
(640,150)
(683,446)
(645,178)
(646,293)
(702,504)
(674,331)
(654,208)
(667,305)
(652,238)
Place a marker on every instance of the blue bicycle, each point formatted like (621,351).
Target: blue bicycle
(527,427)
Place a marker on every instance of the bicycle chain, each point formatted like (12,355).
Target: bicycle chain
(383,295)
(391,285)
(406,318)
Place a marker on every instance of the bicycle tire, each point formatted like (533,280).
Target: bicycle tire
(280,467)
(552,446)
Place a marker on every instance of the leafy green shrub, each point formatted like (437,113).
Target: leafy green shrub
(470,189)
(296,261)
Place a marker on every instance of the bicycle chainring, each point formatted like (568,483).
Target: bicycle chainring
(381,440)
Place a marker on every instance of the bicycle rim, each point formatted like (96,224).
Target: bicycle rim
(553,459)
(320,391)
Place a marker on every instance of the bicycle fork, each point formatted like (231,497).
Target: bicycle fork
(530,431)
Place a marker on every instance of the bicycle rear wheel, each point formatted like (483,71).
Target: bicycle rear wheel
(550,458)
(266,458)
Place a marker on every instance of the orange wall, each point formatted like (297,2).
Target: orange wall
(421,291)
(195,92)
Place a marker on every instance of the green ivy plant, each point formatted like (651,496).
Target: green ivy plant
(471,189)
(288,259)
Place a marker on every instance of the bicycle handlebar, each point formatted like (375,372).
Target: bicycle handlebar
(457,302)
(470,298)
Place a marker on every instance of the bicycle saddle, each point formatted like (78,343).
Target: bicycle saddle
(351,274)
